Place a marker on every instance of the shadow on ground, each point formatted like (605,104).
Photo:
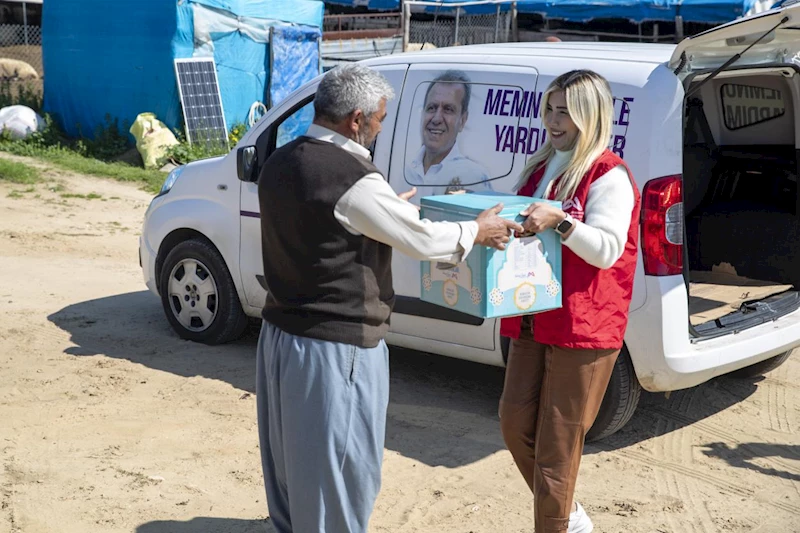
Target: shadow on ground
(204,524)
(742,455)
(443,411)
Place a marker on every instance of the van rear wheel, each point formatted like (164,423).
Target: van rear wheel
(761,368)
(619,402)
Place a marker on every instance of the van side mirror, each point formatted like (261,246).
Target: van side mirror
(246,158)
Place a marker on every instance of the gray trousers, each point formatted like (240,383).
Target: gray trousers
(321,426)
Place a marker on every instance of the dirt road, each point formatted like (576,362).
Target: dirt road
(110,423)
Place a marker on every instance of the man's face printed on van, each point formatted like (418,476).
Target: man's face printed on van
(443,118)
(562,130)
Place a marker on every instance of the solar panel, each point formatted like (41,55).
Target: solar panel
(201,101)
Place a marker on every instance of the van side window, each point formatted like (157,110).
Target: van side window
(295,124)
(448,131)
(285,129)
(746,105)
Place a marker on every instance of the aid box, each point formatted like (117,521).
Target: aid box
(524,278)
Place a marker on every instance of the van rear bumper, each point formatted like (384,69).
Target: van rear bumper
(666,358)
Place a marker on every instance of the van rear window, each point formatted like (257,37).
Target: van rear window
(747,105)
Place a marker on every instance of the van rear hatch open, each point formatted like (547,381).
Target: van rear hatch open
(776,34)
(741,205)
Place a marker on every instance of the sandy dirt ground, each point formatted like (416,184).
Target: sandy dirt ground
(110,423)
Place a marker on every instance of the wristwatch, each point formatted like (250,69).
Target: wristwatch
(565,225)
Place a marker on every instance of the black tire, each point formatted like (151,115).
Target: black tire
(619,402)
(223,319)
(762,367)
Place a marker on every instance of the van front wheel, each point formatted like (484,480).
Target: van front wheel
(198,294)
(619,402)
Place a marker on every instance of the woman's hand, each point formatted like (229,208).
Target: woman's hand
(541,216)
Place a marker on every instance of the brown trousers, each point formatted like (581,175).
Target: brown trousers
(550,400)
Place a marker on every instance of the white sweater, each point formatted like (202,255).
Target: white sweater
(600,239)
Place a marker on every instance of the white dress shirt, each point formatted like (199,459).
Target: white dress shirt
(455,170)
(600,238)
(371,208)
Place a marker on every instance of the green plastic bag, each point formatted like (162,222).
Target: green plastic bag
(153,137)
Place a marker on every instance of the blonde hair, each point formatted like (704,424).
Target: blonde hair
(591,107)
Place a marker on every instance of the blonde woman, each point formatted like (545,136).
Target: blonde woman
(560,361)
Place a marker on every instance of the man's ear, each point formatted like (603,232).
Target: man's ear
(464,117)
(356,121)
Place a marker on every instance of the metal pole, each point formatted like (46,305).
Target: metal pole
(319,56)
(497,23)
(268,88)
(406,24)
(655,32)
(25,21)
(458,18)
(678,28)
(507,26)
(514,26)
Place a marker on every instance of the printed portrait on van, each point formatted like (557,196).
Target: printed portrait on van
(471,132)
(437,155)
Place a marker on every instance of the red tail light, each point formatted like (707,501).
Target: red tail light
(662,226)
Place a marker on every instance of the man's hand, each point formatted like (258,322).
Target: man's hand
(541,216)
(408,195)
(494,231)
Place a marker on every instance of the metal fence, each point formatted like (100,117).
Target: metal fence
(453,24)
(20,41)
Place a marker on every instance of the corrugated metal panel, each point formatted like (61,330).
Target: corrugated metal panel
(349,50)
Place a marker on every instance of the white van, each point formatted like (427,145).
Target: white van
(711,142)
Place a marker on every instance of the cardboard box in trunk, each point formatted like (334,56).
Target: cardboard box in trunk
(715,294)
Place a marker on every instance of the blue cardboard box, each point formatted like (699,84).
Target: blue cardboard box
(524,278)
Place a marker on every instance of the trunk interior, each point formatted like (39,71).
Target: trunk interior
(742,240)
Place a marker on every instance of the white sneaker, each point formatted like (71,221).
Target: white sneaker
(579,521)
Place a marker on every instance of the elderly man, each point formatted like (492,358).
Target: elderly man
(329,222)
(439,161)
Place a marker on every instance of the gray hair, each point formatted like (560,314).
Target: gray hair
(454,76)
(348,87)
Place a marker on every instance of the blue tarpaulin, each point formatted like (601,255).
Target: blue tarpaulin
(376,5)
(586,10)
(707,11)
(116,58)
(293,54)
(704,11)
(448,7)
(440,6)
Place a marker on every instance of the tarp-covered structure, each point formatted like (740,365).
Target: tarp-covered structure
(701,11)
(372,5)
(117,58)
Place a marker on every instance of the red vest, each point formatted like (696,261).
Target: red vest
(594,312)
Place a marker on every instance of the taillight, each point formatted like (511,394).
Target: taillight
(662,226)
